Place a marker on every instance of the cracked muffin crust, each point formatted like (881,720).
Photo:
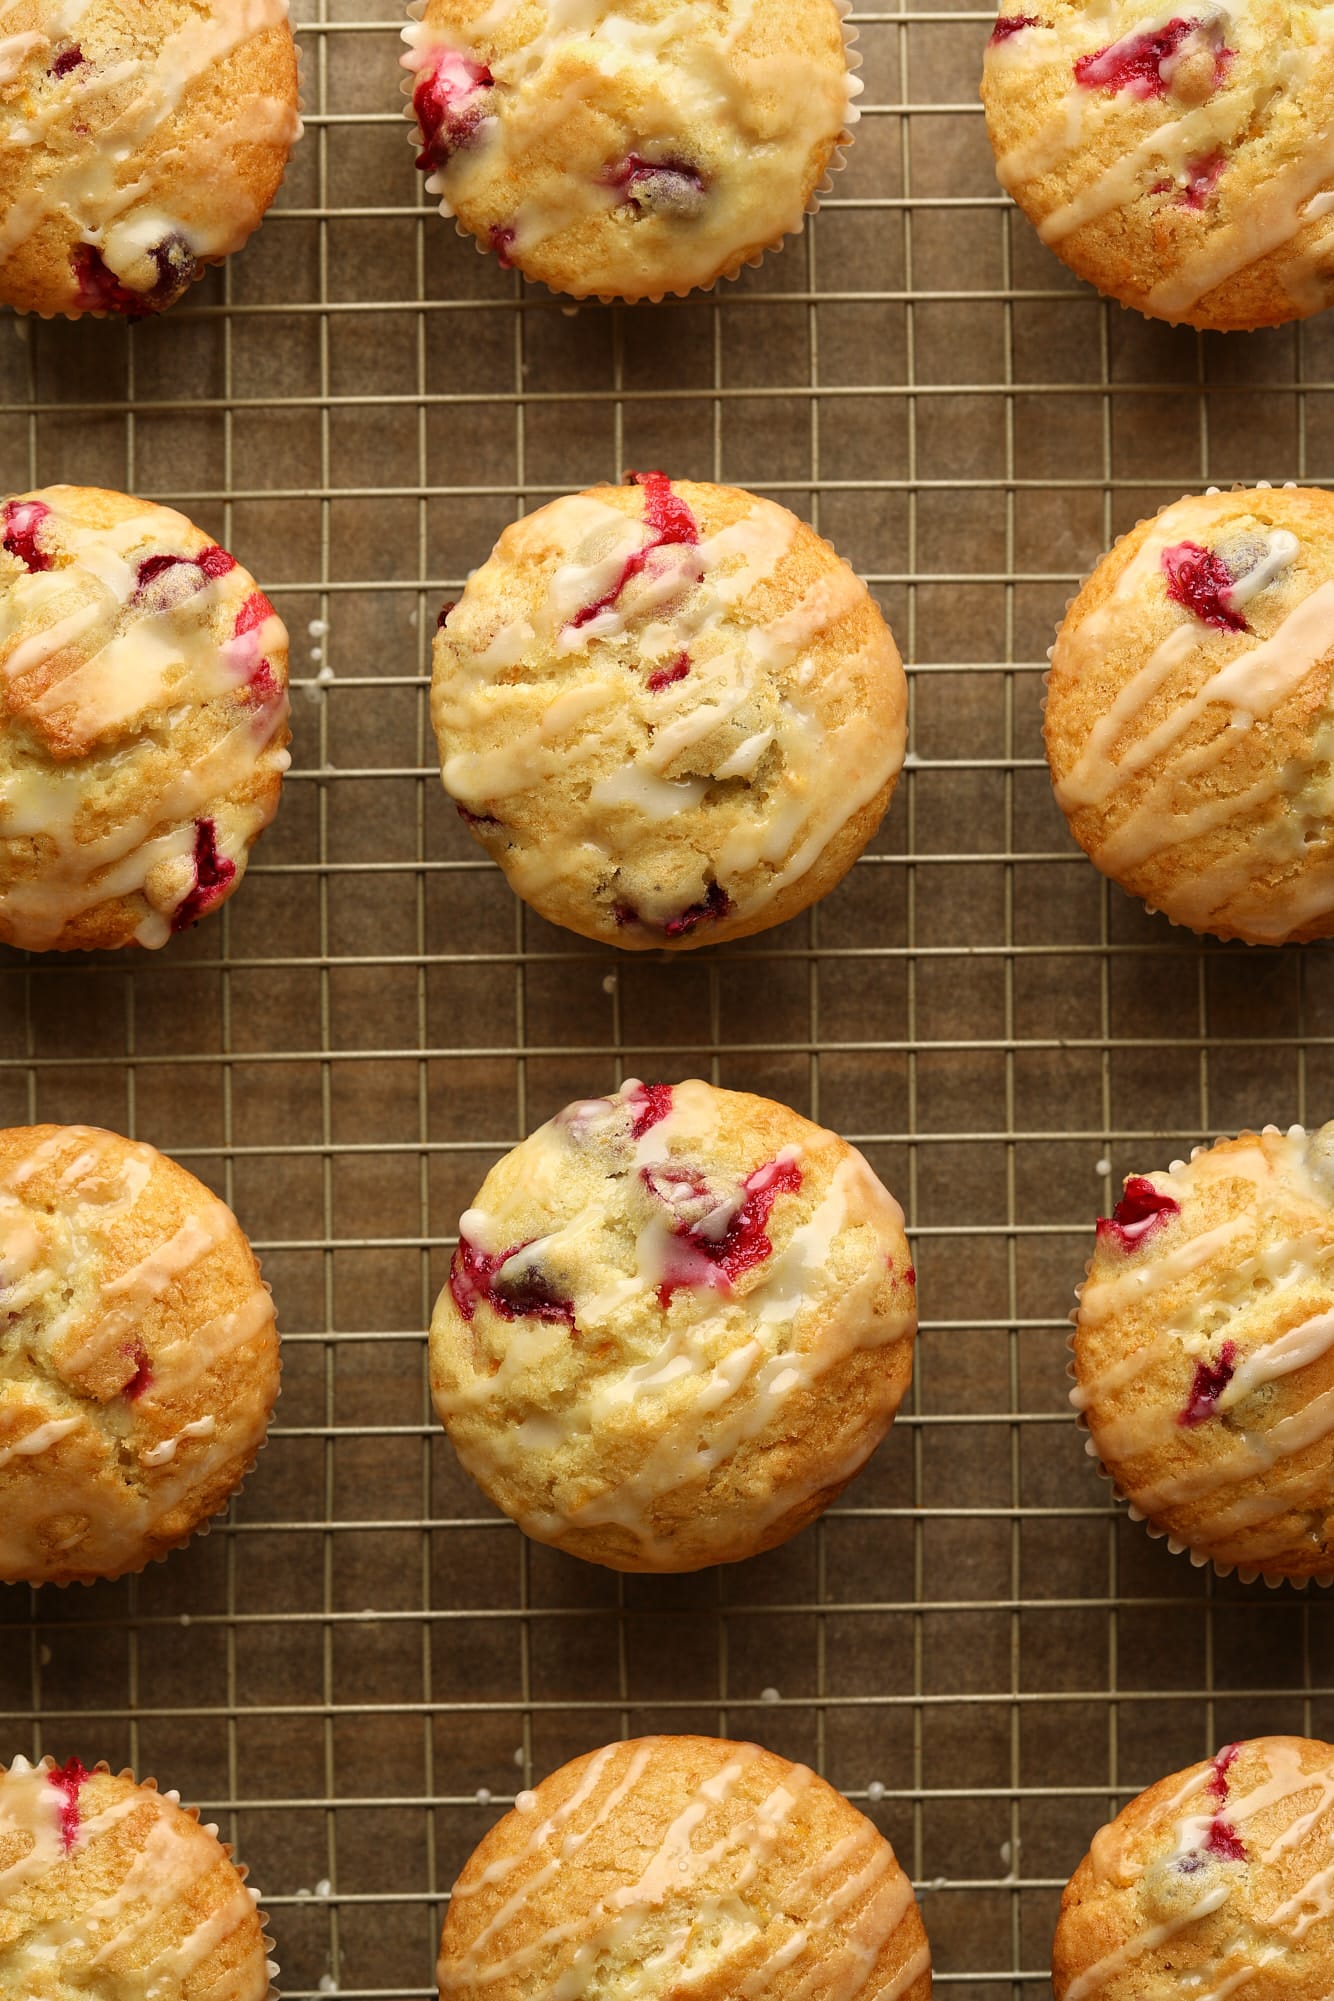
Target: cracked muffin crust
(140,140)
(1189,723)
(112,1891)
(628,148)
(670,1865)
(138,1355)
(143,720)
(669,711)
(1216,1881)
(678,1321)
(1204,1352)
(1182,162)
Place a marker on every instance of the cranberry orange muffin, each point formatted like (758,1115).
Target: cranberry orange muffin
(143,720)
(113,1891)
(1187,723)
(1204,1352)
(684,1864)
(677,1322)
(669,711)
(628,148)
(1216,1881)
(1182,163)
(138,143)
(138,1355)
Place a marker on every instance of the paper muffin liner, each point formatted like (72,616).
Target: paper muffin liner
(835,165)
(48,1763)
(1199,1558)
(201,1529)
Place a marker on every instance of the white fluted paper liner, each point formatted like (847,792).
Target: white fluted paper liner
(150,1785)
(837,163)
(1199,1558)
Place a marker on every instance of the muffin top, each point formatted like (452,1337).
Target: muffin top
(670,711)
(1187,723)
(113,1891)
(138,1354)
(139,141)
(1213,1882)
(1204,1351)
(684,1864)
(677,1322)
(143,720)
(628,148)
(1182,162)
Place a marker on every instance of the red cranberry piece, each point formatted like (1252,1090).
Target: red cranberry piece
(1142,1210)
(1136,62)
(663,677)
(1219,1783)
(659,187)
(445,610)
(648,1105)
(1223,1840)
(1200,581)
(449,102)
(502,242)
(253,613)
(1202,177)
(214,562)
(477,819)
(69,1779)
(715,905)
(22,519)
(143,1371)
(213,874)
(744,1243)
(669,521)
(1012,24)
(100,290)
(1211,1379)
(67,60)
(474,1277)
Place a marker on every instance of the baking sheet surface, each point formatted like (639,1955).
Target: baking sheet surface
(360,1665)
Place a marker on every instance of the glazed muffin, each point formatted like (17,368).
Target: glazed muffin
(684,1864)
(1213,1882)
(1204,1352)
(113,1891)
(138,1355)
(677,1322)
(629,148)
(143,720)
(669,711)
(140,140)
(1186,721)
(1179,162)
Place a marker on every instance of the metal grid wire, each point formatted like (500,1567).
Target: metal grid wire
(360,1665)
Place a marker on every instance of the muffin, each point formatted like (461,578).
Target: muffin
(1185,725)
(1204,1352)
(143,720)
(669,711)
(112,1890)
(1181,163)
(139,141)
(138,1355)
(684,1864)
(677,1322)
(1213,1882)
(629,148)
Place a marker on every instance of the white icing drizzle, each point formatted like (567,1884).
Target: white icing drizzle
(1244,681)
(1298,1798)
(1271,1269)
(692,601)
(89,181)
(1291,153)
(691,1872)
(159,1888)
(752,115)
(96,670)
(84,1328)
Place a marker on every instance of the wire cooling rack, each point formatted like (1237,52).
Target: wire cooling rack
(356,1670)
